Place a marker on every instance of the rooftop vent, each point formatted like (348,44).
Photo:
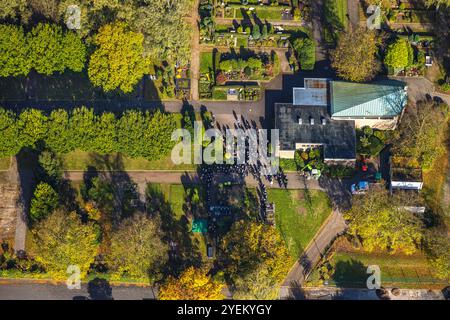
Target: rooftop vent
(311,120)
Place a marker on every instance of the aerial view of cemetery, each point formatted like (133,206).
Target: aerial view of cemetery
(224,149)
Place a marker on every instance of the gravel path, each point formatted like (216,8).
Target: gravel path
(195,51)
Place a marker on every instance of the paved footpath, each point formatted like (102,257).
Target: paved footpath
(295,181)
(31,290)
(333,226)
(195,51)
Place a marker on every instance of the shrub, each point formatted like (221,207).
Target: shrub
(256,33)
(306,54)
(399,54)
(44,202)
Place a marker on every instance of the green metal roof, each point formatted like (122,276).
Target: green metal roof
(200,226)
(376,99)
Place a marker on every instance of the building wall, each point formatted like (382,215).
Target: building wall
(290,154)
(382,124)
(286,154)
(407,185)
(342,162)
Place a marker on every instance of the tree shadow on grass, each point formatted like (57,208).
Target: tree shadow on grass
(350,274)
(183,251)
(31,173)
(125,194)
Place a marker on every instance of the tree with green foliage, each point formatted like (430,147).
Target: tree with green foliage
(256,32)
(118,62)
(13,51)
(167,33)
(146,134)
(137,250)
(130,132)
(101,192)
(157,141)
(399,54)
(32,124)
(382,222)
(254,63)
(438,3)
(51,165)
(74,52)
(257,285)
(105,139)
(15,10)
(264,31)
(82,126)
(59,137)
(354,58)
(45,201)
(305,50)
(52,50)
(10,141)
(135,133)
(437,248)
(62,240)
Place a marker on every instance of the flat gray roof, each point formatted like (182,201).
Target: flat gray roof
(310,97)
(338,137)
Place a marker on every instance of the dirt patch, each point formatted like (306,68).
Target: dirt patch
(302,211)
(9,194)
(298,195)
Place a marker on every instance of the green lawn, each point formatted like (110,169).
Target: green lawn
(80,160)
(262,12)
(396,270)
(5,163)
(299,215)
(206,62)
(336,19)
(193,244)
(176,199)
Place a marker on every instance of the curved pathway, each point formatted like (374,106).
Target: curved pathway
(332,227)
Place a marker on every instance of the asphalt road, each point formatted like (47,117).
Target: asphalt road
(102,291)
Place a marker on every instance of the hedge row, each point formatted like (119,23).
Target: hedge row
(133,133)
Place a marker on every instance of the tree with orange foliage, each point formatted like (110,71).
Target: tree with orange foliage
(193,284)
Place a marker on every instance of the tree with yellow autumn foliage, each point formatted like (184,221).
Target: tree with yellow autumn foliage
(192,284)
(255,252)
(61,240)
(382,222)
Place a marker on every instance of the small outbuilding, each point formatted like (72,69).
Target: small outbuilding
(200,226)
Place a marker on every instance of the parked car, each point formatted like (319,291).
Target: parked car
(360,187)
